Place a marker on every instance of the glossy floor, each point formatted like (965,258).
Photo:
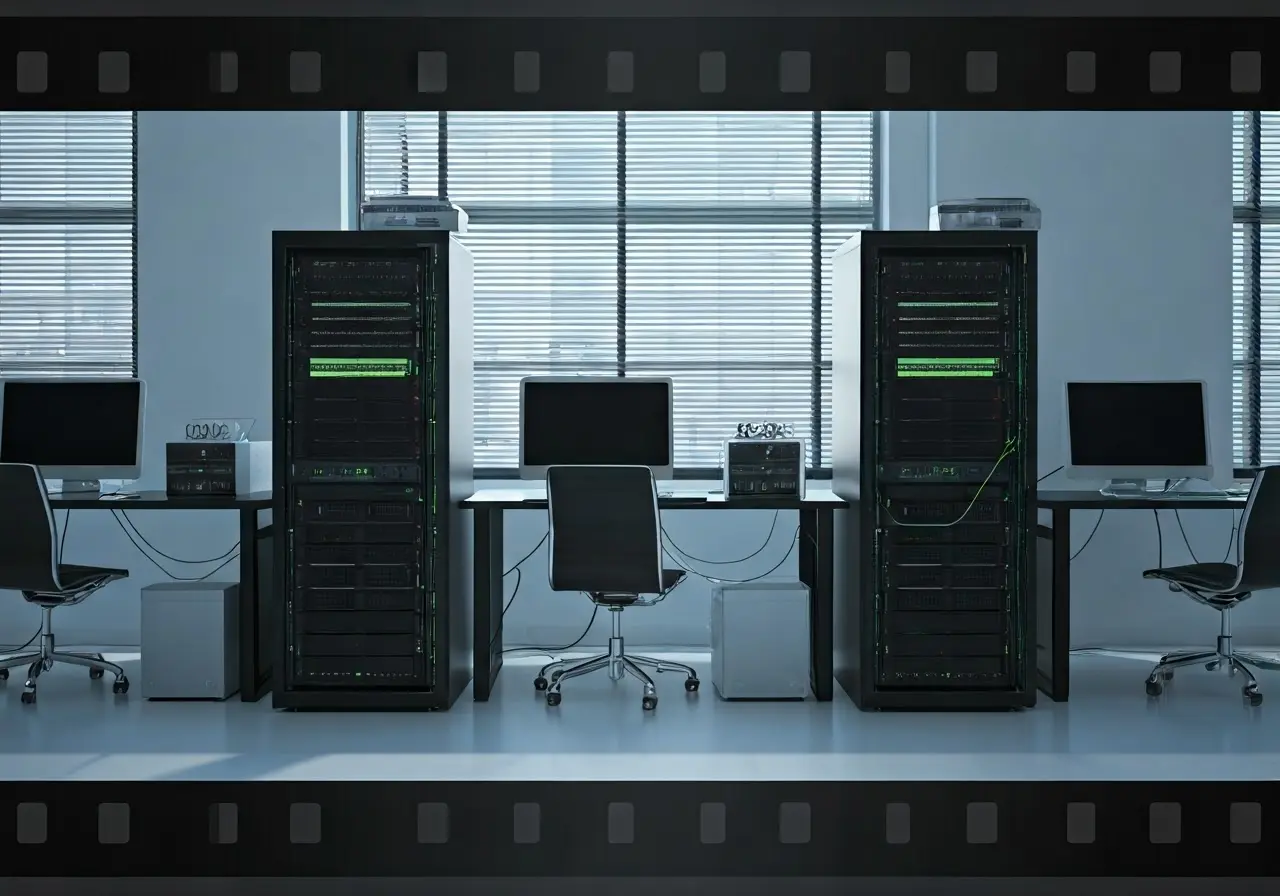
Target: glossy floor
(1110,730)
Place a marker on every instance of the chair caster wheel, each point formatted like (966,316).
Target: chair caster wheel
(649,703)
(120,686)
(95,674)
(691,685)
(1213,666)
(28,697)
(1251,694)
(1154,687)
(553,699)
(1167,675)
(4,674)
(539,683)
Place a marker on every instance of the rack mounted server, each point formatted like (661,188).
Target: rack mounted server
(373,452)
(934,445)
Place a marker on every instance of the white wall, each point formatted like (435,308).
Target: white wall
(1135,274)
(211,188)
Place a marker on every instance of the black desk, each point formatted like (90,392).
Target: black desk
(1053,570)
(817,511)
(256,615)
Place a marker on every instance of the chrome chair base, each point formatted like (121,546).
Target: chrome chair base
(619,665)
(48,655)
(1223,658)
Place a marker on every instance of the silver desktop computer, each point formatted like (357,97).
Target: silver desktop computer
(1134,433)
(78,430)
(605,420)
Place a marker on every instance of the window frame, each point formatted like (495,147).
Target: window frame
(15,215)
(818,364)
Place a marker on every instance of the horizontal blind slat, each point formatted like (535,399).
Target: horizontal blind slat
(67,217)
(719,224)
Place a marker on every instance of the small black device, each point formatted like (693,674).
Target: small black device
(217,469)
(763,468)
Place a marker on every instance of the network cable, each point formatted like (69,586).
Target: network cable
(224,555)
(1009,447)
(687,556)
(1092,533)
(1050,473)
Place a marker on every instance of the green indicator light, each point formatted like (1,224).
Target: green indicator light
(948,367)
(949,374)
(361,367)
(948,304)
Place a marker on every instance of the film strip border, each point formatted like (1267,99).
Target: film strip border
(657,63)
(559,829)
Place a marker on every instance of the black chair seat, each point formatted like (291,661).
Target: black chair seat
(76,578)
(613,599)
(1218,578)
(671,578)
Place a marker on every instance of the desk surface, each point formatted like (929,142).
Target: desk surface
(535,498)
(1092,499)
(158,500)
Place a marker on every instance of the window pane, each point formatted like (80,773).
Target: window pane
(67,243)
(727,311)
(713,256)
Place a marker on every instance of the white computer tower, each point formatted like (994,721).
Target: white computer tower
(760,641)
(190,640)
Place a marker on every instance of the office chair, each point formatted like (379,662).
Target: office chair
(606,541)
(29,563)
(1224,586)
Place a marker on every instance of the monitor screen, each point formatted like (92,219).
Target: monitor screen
(76,423)
(1137,424)
(596,421)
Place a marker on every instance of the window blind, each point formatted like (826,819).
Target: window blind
(1256,287)
(67,225)
(693,245)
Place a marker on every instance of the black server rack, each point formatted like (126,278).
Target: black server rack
(934,445)
(374,452)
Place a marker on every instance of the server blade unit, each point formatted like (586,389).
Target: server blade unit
(373,454)
(934,446)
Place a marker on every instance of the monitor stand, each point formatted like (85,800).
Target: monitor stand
(81,487)
(1126,488)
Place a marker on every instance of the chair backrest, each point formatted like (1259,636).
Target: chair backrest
(605,530)
(1258,550)
(28,548)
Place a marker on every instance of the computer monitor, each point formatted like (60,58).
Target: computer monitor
(604,420)
(1132,432)
(77,430)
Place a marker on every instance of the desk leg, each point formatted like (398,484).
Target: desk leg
(817,572)
(487,644)
(255,681)
(1053,606)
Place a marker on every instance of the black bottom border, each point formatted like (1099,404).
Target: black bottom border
(639,829)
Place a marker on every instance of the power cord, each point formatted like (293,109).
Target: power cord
(687,556)
(549,651)
(1235,525)
(519,578)
(718,581)
(1101,514)
(1050,473)
(234,555)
